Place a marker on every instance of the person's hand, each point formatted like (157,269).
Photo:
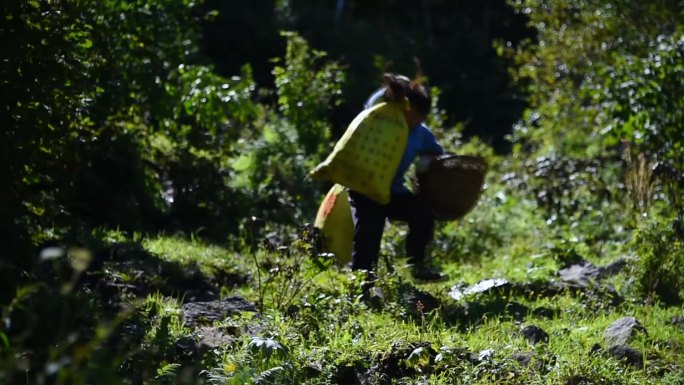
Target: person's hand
(424,163)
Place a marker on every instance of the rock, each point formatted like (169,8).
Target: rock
(483,287)
(197,313)
(678,321)
(215,337)
(583,274)
(534,334)
(620,331)
(627,354)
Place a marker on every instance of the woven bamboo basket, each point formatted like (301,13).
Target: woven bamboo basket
(452,185)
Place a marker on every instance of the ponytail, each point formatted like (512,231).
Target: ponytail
(398,87)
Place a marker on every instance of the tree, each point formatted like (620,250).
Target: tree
(564,67)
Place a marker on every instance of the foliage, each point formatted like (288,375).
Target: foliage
(575,42)
(603,80)
(46,90)
(285,272)
(307,91)
(190,158)
(51,331)
(645,96)
(271,164)
(140,133)
(113,116)
(661,260)
(84,81)
(451,41)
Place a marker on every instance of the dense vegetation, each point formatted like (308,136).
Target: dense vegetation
(153,157)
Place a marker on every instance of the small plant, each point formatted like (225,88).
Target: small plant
(285,273)
(267,348)
(263,360)
(638,177)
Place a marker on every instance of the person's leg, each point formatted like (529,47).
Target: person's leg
(369,222)
(410,208)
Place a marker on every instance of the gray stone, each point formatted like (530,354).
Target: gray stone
(206,313)
(486,286)
(584,274)
(214,337)
(622,330)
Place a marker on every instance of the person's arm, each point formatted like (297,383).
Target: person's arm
(430,146)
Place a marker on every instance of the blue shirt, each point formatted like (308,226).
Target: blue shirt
(421,141)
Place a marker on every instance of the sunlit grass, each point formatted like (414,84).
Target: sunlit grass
(332,328)
(207,257)
(326,324)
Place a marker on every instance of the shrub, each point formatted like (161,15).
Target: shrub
(659,269)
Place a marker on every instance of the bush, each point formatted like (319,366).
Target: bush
(659,270)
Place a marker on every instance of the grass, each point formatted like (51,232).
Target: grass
(314,327)
(331,329)
(194,252)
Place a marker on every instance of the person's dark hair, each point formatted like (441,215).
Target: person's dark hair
(398,87)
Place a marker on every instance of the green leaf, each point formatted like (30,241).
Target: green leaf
(5,340)
(267,348)
(86,44)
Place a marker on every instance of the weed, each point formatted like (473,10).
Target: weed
(638,177)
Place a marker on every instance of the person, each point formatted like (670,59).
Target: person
(369,216)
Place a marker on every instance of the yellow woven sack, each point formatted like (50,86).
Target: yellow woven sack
(335,221)
(368,154)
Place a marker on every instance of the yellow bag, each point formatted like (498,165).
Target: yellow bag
(366,158)
(335,221)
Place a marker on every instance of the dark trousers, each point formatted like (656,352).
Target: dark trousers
(369,224)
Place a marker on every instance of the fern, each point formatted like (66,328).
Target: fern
(167,371)
(269,376)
